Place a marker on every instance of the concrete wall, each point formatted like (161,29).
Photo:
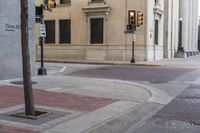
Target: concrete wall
(10,39)
(154,11)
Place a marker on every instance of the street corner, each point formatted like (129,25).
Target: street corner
(105,88)
(150,93)
(100,102)
(63,107)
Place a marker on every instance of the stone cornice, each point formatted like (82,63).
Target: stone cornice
(96,8)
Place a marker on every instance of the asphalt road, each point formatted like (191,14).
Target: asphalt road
(180,79)
(181,115)
(137,73)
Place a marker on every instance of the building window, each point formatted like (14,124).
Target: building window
(50,31)
(96,30)
(156,32)
(65,1)
(65,31)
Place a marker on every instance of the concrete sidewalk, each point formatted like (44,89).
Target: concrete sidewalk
(192,61)
(81,105)
(78,104)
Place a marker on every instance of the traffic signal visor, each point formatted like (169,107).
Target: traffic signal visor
(139,19)
(51,4)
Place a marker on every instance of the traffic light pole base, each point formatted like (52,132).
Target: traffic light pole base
(42,71)
(132,60)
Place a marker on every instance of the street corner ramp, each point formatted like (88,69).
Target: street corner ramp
(156,95)
(94,87)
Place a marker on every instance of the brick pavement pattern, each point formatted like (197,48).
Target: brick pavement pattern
(13,95)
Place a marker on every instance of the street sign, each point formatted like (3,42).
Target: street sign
(42,30)
(129,31)
(134,37)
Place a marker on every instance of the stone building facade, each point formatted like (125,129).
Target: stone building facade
(187,10)
(190,25)
(10,39)
(93,30)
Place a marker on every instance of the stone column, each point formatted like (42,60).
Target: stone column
(184,14)
(196,25)
(191,26)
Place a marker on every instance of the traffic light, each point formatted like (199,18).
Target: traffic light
(132,19)
(50,4)
(139,18)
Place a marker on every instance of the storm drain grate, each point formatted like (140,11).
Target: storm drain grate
(21,82)
(170,123)
(158,82)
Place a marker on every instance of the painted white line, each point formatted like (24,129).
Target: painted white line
(63,69)
(55,90)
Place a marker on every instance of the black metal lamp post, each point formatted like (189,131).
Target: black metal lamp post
(180,47)
(180,52)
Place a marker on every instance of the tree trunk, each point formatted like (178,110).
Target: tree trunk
(28,95)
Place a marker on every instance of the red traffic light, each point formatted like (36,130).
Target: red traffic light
(132,17)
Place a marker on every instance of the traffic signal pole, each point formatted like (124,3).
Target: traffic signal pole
(133,58)
(47,5)
(135,19)
(133,45)
(42,70)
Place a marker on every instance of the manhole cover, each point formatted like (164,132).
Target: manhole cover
(158,82)
(21,82)
(189,99)
(103,68)
(177,124)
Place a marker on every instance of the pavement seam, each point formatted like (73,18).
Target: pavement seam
(112,118)
(92,119)
(142,121)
